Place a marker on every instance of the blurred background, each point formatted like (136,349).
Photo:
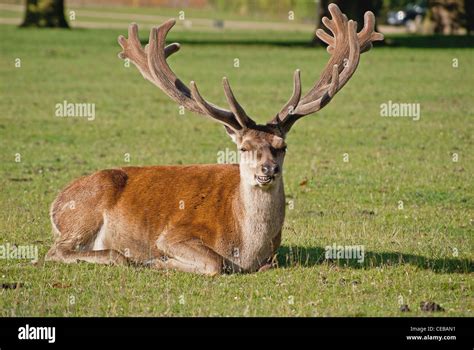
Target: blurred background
(445,17)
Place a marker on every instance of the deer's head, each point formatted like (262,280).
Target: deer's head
(262,147)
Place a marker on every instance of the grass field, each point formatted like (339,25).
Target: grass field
(188,12)
(422,252)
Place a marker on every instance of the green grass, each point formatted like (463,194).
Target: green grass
(409,252)
(281,15)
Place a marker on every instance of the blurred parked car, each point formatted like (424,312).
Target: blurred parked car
(411,17)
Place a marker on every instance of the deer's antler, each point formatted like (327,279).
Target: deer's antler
(345,46)
(151,62)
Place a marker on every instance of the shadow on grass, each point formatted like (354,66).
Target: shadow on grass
(431,41)
(289,256)
(407,41)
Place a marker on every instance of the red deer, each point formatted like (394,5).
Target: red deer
(207,219)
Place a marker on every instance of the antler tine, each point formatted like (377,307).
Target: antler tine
(338,18)
(151,62)
(132,49)
(354,55)
(315,105)
(338,25)
(338,80)
(368,33)
(290,106)
(161,71)
(171,49)
(325,37)
(239,113)
(227,119)
(345,46)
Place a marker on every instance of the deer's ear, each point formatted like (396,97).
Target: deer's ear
(234,135)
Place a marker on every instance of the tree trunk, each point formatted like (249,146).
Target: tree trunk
(45,14)
(354,10)
(446,16)
(469,9)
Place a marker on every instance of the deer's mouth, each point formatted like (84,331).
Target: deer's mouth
(264,180)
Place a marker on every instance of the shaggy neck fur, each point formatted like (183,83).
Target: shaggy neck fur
(263,215)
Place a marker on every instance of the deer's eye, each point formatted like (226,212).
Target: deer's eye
(243,149)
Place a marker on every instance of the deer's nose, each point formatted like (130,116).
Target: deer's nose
(270,169)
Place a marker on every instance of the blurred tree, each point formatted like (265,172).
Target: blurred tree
(443,16)
(45,13)
(469,9)
(446,15)
(353,9)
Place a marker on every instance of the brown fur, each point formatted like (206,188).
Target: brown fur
(195,205)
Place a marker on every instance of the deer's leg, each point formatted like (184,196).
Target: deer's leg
(271,261)
(78,217)
(188,256)
(107,257)
(72,247)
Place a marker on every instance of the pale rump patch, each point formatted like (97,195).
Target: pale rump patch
(56,232)
(99,243)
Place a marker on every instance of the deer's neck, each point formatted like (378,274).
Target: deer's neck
(263,215)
